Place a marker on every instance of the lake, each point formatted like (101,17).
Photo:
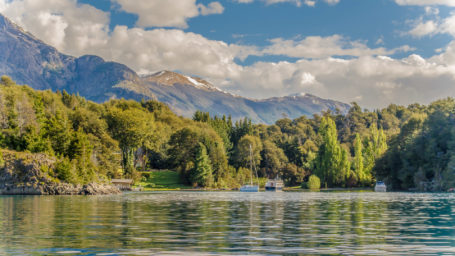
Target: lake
(207,223)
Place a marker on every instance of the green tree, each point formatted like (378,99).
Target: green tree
(242,155)
(58,130)
(202,173)
(330,163)
(359,170)
(314,182)
(182,152)
(2,161)
(273,159)
(131,127)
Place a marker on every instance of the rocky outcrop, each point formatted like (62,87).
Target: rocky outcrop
(29,174)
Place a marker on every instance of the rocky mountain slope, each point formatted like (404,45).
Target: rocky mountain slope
(30,61)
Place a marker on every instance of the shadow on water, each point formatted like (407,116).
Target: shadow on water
(198,223)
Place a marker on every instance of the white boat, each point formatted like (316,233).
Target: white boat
(251,187)
(274,185)
(380,187)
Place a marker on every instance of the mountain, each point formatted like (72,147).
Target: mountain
(30,61)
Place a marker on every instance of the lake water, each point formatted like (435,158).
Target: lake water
(207,223)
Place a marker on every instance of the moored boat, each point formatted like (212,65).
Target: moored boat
(380,187)
(274,185)
(251,187)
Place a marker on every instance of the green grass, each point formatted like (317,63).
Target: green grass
(161,180)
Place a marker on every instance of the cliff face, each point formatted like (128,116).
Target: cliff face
(29,174)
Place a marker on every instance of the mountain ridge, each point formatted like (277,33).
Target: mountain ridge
(28,60)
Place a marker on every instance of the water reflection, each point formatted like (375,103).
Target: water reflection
(229,222)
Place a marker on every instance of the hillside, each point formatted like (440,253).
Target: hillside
(68,139)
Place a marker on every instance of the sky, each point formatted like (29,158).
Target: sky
(373,52)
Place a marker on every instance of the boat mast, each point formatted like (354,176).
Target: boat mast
(251,165)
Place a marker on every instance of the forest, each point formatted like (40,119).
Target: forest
(410,148)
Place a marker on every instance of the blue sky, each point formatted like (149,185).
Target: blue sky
(257,22)
(375,52)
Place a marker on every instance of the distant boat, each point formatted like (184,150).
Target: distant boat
(274,185)
(251,187)
(380,187)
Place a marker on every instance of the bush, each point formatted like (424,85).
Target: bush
(64,171)
(314,182)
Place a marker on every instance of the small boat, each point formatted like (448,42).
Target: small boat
(251,187)
(274,185)
(380,187)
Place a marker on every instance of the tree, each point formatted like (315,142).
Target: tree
(58,130)
(242,155)
(359,170)
(182,152)
(202,173)
(130,127)
(330,163)
(2,161)
(273,159)
(314,182)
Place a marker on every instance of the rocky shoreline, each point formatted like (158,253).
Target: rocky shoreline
(58,189)
(24,174)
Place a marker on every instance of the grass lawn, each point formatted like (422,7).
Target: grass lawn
(161,180)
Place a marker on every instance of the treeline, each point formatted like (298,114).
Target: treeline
(408,147)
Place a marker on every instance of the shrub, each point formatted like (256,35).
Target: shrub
(64,171)
(314,182)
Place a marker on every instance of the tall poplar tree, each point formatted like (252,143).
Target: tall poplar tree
(358,166)
(330,162)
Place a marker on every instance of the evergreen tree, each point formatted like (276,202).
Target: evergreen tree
(202,171)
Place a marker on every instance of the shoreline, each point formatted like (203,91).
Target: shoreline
(291,189)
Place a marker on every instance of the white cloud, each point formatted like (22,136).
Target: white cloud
(310,3)
(321,47)
(211,8)
(160,49)
(378,80)
(162,13)
(426,2)
(298,3)
(429,10)
(65,24)
(448,25)
(332,1)
(424,28)
(432,27)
